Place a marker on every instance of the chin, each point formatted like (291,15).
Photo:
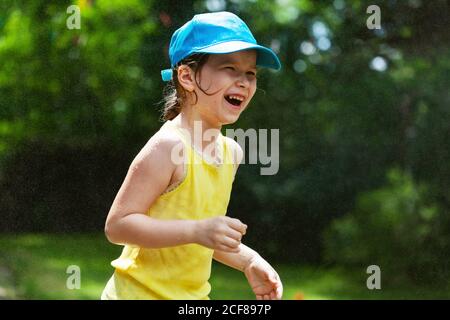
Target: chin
(229,122)
(229,119)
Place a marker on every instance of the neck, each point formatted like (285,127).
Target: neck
(202,131)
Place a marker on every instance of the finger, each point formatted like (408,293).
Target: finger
(266,297)
(279,283)
(273,295)
(237,225)
(276,280)
(234,235)
(279,292)
(225,248)
(232,243)
(259,297)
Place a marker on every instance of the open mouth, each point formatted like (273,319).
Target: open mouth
(234,100)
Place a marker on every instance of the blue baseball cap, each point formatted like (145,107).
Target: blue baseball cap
(215,33)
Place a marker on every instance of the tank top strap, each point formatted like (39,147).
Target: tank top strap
(226,150)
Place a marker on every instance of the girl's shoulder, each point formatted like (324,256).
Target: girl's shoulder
(160,145)
(236,150)
(167,136)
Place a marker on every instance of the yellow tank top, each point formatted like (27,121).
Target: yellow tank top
(180,272)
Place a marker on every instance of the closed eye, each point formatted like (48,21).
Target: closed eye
(249,73)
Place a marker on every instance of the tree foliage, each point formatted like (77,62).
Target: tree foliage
(351,103)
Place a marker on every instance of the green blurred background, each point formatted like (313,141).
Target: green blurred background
(364,119)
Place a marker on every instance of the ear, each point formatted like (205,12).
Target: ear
(186,78)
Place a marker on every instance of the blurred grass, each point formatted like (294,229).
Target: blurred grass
(34,267)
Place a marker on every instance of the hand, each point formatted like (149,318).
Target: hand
(263,279)
(220,233)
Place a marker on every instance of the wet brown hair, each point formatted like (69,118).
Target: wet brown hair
(174,95)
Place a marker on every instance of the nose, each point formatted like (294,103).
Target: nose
(243,81)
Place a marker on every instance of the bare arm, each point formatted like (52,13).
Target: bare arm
(262,277)
(147,178)
(237,260)
(141,230)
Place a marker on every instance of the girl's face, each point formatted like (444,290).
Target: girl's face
(230,79)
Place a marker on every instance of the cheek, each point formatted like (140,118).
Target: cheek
(214,84)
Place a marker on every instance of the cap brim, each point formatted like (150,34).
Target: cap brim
(266,57)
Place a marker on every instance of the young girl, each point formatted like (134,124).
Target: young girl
(170,215)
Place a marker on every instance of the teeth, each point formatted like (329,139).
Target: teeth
(236,97)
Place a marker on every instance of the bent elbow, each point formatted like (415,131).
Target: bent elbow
(111,232)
